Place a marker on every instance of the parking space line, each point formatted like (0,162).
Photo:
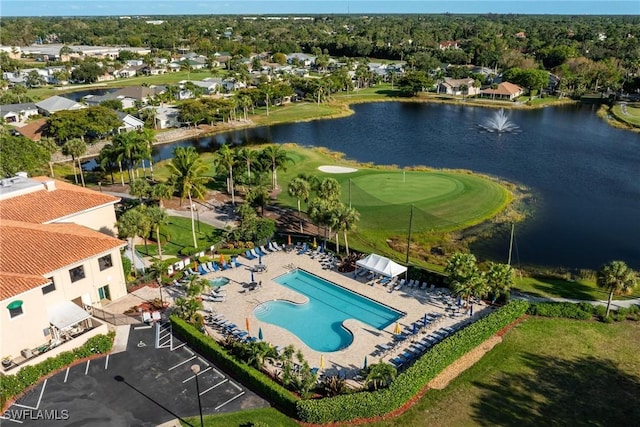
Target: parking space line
(11,419)
(66,375)
(143,327)
(218,372)
(235,385)
(44,384)
(199,373)
(180,346)
(228,401)
(106,363)
(87,368)
(203,361)
(214,386)
(189,351)
(181,363)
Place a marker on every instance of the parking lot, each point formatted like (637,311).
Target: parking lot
(150,383)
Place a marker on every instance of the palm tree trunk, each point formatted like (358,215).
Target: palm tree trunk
(151,168)
(81,173)
(133,256)
(193,223)
(158,240)
(121,174)
(73,163)
(337,242)
(609,303)
(346,243)
(233,196)
(300,217)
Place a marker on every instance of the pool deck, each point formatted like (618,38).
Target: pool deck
(368,341)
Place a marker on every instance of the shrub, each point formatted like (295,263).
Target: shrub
(13,385)
(188,251)
(582,311)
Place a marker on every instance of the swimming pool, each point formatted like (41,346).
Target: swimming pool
(319,321)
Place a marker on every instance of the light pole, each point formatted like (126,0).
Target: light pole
(196,370)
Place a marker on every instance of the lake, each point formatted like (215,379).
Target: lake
(585,174)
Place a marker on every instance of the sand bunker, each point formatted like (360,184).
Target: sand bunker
(336,169)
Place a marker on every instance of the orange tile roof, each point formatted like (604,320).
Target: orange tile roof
(504,88)
(45,206)
(39,249)
(12,284)
(34,129)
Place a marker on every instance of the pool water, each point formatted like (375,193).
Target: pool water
(219,281)
(319,321)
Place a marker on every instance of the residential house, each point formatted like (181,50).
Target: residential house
(504,90)
(57,103)
(14,113)
(34,130)
(301,58)
(59,260)
(449,44)
(458,87)
(166,117)
(129,122)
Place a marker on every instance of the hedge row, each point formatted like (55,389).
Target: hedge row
(13,385)
(282,398)
(569,310)
(415,378)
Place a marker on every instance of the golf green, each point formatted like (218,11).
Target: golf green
(440,200)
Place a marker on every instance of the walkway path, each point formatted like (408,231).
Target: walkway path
(614,304)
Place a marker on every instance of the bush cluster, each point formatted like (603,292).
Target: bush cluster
(415,378)
(583,311)
(13,385)
(257,381)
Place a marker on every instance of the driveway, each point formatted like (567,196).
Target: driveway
(148,384)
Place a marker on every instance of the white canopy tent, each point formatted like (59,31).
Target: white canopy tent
(66,314)
(381,265)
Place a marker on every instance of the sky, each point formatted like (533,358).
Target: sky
(301,7)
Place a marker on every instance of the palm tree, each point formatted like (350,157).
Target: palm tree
(464,277)
(347,219)
(249,156)
(108,160)
(258,197)
(140,189)
(130,225)
(157,217)
(187,173)
(162,192)
(227,159)
(278,159)
(499,279)
(616,278)
(75,148)
(301,190)
(329,189)
(380,375)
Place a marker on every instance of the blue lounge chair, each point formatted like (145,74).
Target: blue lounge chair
(225,266)
(201,270)
(304,249)
(397,362)
(249,255)
(254,253)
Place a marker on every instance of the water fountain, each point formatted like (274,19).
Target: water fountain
(499,123)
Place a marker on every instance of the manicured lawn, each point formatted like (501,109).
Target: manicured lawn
(631,113)
(555,287)
(545,372)
(177,235)
(266,417)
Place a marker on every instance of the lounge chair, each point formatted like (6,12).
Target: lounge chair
(224,265)
(271,247)
(249,255)
(254,253)
(210,265)
(205,266)
(275,245)
(264,250)
(397,362)
(192,272)
(201,270)
(424,286)
(304,249)
(156,316)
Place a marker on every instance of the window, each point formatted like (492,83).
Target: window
(49,288)
(105,262)
(15,308)
(76,274)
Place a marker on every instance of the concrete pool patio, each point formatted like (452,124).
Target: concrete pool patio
(367,342)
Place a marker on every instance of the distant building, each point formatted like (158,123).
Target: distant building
(505,90)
